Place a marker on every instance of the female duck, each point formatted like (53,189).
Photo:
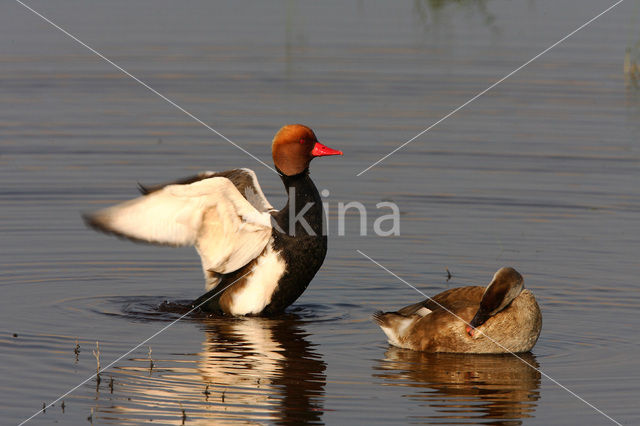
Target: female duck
(504,317)
(256,260)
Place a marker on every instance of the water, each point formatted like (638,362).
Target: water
(541,174)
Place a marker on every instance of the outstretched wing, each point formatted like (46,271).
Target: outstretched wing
(245,180)
(144,189)
(210,213)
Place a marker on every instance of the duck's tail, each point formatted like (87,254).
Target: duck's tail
(394,325)
(378,317)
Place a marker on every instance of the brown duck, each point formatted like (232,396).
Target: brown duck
(503,317)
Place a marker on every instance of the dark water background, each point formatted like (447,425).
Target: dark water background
(541,174)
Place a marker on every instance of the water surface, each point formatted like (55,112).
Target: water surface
(541,174)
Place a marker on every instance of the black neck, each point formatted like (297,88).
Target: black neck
(302,195)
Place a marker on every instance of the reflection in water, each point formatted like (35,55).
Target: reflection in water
(272,354)
(431,13)
(459,386)
(250,369)
(631,66)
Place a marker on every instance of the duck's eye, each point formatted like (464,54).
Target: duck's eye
(302,141)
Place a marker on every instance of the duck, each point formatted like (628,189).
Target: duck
(504,317)
(256,260)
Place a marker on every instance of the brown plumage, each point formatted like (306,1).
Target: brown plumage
(293,148)
(503,317)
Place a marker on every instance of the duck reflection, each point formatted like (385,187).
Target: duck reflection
(249,370)
(499,387)
(263,363)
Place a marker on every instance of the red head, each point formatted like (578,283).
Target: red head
(294,146)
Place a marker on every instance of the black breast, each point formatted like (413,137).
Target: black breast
(302,245)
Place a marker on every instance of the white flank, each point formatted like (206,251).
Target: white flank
(257,291)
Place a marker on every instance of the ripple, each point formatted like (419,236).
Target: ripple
(163,309)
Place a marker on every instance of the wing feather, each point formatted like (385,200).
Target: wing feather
(448,299)
(210,214)
(245,180)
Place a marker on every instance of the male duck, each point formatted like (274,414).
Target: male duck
(504,317)
(256,260)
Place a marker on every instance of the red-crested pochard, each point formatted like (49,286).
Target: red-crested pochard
(503,317)
(270,256)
